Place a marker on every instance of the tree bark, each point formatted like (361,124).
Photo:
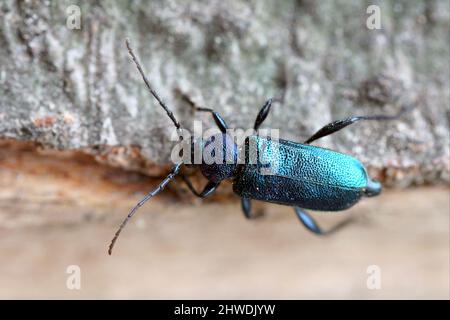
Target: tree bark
(75,88)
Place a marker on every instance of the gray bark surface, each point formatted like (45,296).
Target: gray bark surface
(77,88)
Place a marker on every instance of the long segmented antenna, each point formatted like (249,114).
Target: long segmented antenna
(150,195)
(175,169)
(147,83)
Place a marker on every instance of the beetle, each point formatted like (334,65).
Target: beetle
(307,177)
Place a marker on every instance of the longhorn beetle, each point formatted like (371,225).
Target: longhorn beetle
(307,177)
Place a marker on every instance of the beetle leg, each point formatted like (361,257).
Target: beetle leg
(312,225)
(220,122)
(207,190)
(264,112)
(341,124)
(308,221)
(246,204)
(262,115)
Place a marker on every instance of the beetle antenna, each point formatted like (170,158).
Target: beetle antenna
(149,87)
(150,195)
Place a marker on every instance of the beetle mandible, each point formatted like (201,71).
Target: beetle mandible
(307,177)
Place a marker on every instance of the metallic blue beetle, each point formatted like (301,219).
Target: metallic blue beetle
(285,172)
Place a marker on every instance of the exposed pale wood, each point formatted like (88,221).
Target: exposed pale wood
(58,211)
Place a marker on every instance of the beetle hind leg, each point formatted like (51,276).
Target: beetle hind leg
(341,124)
(312,225)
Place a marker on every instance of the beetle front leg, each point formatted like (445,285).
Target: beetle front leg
(312,225)
(220,122)
(207,190)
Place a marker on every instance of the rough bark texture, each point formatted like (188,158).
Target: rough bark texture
(76,89)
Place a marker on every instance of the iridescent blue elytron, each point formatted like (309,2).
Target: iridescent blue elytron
(278,171)
(295,174)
